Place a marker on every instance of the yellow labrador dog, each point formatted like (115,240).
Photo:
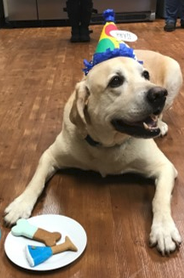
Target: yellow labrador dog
(109,122)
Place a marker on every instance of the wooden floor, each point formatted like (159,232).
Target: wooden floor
(38,71)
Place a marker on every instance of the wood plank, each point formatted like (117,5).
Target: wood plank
(39,68)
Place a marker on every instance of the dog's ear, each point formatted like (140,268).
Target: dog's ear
(77,113)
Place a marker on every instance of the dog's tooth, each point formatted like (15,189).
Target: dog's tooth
(154,118)
(145,125)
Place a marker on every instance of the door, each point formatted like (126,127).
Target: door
(51,9)
(21,10)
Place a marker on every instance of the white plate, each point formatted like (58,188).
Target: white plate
(15,246)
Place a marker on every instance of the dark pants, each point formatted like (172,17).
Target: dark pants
(79,12)
(174,8)
(82,2)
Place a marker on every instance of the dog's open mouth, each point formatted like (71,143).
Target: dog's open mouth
(147,128)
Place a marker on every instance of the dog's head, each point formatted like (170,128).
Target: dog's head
(117,96)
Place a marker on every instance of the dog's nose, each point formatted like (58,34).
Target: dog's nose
(156,97)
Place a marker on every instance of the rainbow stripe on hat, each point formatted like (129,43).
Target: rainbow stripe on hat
(108,46)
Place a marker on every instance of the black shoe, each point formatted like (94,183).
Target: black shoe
(75,35)
(170,26)
(75,38)
(182,23)
(84,34)
(73,10)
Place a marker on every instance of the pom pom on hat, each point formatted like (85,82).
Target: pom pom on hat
(108,46)
(109,15)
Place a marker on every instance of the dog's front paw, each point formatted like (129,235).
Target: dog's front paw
(163,128)
(165,236)
(19,208)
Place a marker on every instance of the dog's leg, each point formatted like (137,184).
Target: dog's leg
(22,206)
(163,126)
(164,233)
(154,164)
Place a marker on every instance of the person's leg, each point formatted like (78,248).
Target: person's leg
(182,13)
(73,10)
(86,11)
(172,9)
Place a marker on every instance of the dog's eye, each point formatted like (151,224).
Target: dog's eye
(146,75)
(116,81)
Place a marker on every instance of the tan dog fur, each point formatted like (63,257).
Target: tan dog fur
(89,111)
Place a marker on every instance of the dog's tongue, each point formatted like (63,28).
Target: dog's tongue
(147,128)
(150,122)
